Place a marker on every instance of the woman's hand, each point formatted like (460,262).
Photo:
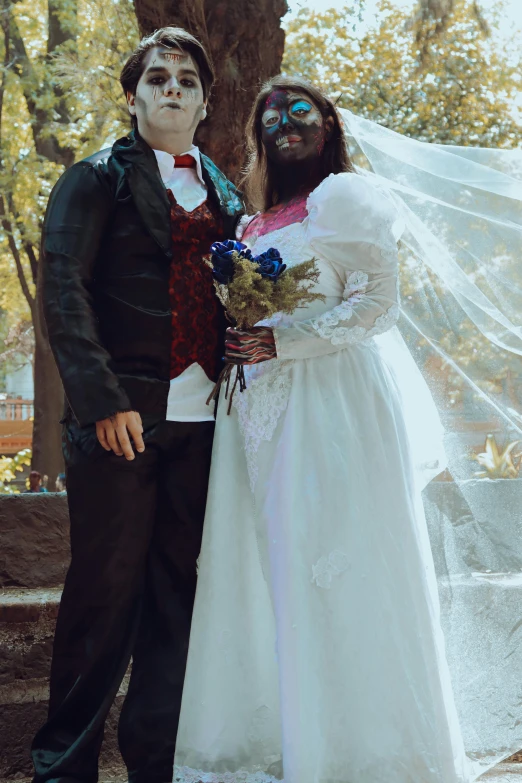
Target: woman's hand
(250,347)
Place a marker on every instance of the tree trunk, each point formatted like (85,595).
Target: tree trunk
(46,105)
(48,390)
(48,403)
(246,42)
(430,20)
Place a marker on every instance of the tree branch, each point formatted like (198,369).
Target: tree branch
(26,243)
(4,218)
(33,261)
(46,144)
(431,20)
(8,228)
(61,30)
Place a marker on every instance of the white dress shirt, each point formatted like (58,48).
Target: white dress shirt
(189,391)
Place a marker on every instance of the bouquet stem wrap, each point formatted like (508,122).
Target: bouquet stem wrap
(225,377)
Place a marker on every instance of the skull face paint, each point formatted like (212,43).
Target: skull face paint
(292,128)
(175,57)
(169,96)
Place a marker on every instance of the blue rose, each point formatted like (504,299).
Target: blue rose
(270,264)
(222,259)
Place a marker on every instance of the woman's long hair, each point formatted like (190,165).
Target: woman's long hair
(260,181)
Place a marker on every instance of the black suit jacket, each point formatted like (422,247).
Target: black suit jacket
(107,249)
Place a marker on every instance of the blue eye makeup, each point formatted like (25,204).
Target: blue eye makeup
(301,106)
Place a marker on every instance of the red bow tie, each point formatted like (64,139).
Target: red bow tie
(184,161)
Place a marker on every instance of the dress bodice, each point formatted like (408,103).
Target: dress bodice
(293,243)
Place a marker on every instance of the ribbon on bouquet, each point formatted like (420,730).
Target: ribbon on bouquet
(225,377)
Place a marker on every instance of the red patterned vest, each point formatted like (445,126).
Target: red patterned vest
(196,312)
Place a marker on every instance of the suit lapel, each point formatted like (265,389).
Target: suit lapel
(224,194)
(147,189)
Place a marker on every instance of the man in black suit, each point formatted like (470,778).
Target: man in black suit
(137,335)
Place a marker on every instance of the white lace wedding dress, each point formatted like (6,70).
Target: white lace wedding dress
(316,654)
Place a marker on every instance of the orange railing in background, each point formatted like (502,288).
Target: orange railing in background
(16,424)
(15,408)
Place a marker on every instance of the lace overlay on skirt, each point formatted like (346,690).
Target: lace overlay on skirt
(260,406)
(188,775)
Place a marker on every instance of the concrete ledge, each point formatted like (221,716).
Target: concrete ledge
(34,540)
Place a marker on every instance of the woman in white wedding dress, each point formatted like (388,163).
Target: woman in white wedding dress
(316,652)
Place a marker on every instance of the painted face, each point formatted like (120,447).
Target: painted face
(292,127)
(169,95)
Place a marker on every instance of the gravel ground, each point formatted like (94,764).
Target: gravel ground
(506,773)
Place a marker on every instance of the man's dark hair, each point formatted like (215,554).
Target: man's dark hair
(170,38)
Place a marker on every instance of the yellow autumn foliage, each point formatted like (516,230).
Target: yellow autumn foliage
(464,93)
(76,89)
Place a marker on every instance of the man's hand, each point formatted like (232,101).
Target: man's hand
(250,347)
(113,433)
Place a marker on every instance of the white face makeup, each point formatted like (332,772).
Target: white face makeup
(169,96)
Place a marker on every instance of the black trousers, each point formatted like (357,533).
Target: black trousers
(136,530)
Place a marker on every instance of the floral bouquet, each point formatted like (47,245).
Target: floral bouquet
(252,289)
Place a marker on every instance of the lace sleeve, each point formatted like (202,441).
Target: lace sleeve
(352,226)
(369,307)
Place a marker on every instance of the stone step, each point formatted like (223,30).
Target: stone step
(29,605)
(27,620)
(19,722)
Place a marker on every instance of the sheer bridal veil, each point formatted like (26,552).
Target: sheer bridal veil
(460,335)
